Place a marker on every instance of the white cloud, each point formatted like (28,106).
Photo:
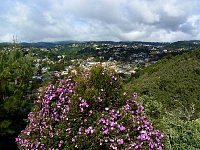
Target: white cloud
(174,8)
(164,35)
(146,20)
(143,11)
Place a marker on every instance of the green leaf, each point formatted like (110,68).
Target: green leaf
(5,124)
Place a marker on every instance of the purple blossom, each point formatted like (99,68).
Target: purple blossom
(112,124)
(64,115)
(120,141)
(89,130)
(73,139)
(122,128)
(133,144)
(113,147)
(105,131)
(91,111)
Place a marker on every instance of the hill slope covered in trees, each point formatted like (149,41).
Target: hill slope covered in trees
(174,81)
(169,90)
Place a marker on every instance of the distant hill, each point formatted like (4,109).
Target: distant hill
(48,44)
(166,45)
(183,44)
(173,81)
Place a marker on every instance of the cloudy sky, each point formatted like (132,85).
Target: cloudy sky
(84,20)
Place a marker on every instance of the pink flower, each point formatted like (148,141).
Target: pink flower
(122,128)
(68,129)
(120,141)
(112,124)
(73,139)
(90,111)
(105,131)
(113,147)
(87,131)
(133,144)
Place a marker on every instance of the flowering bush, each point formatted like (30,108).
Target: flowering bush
(89,117)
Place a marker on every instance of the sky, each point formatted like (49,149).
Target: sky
(99,20)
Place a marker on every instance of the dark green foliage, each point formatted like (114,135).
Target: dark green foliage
(170,93)
(98,83)
(153,108)
(16,72)
(182,135)
(183,44)
(174,82)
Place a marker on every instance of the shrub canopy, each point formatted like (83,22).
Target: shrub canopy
(89,113)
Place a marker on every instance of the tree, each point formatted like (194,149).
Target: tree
(16,72)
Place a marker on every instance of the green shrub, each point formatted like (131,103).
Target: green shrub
(88,114)
(181,134)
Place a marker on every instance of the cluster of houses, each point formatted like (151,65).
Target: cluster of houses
(123,57)
(80,65)
(134,53)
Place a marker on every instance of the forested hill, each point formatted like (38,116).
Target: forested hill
(173,81)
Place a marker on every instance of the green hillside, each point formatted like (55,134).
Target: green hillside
(174,81)
(170,92)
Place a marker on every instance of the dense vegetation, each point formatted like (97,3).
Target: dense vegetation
(91,113)
(16,95)
(169,90)
(183,44)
